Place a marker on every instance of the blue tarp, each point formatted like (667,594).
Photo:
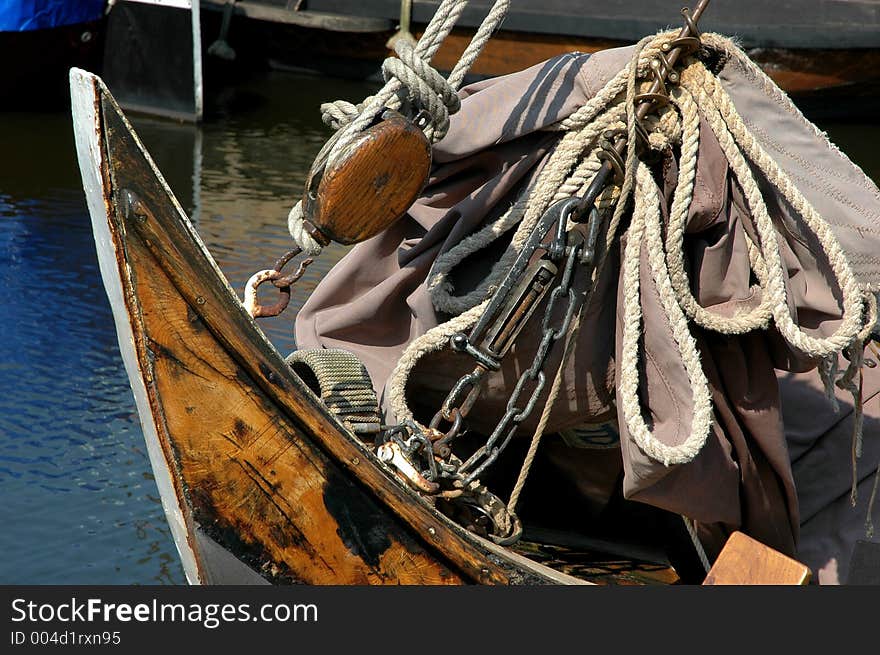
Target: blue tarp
(24,15)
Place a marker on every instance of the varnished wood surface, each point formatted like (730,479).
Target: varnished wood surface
(372,183)
(745,561)
(260,464)
(508,52)
(796,71)
(252,479)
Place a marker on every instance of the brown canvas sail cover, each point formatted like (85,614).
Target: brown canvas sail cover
(777,461)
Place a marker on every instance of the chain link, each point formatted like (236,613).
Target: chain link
(557,316)
(517,412)
(423,455)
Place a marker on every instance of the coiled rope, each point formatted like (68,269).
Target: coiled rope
(569,169)
(408,75)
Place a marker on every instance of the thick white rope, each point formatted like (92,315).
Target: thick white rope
(729,129)
(581,130)
(699,88)
(739,323)
(859,304)
(645,232)
(524,212)
(297,228)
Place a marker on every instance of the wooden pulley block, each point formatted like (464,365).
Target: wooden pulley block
(371,184)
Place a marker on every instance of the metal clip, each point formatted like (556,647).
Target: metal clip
(561,211)
(391,453)
(522,302)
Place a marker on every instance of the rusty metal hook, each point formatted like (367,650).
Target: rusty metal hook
(282,282)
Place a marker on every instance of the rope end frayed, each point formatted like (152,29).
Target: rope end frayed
(828,374)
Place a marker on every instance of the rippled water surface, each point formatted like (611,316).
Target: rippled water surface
(79,504)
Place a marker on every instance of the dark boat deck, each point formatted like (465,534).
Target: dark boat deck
(598,567)
(782,24)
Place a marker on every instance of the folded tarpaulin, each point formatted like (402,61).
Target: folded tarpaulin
(26,15)
(382,296)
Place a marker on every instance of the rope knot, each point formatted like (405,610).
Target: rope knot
(664,128)
(426,88)
(299,234)
(340,113)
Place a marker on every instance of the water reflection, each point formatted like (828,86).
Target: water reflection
(79,501)
(79,504)
(74,474)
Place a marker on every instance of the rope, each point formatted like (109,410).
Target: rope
(571,165)
(739,323)
(732,134)
(297,228)
(408,75)
(581,132)
(698,545)
(343,385)
(529,459)
(645,234)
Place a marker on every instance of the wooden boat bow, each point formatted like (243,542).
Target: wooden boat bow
(247,460)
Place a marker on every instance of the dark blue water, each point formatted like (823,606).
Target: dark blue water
(78,503)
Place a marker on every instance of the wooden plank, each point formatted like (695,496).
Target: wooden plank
(745,561)
(304,18)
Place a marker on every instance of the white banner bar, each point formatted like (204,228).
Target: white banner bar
(180,4)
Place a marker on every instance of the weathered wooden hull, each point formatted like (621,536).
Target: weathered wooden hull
(259,482)
(840,56)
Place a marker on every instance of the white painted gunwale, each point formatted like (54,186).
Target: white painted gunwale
(85,89)
(87,92)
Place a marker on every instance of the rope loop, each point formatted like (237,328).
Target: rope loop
(427,89)
(411,70)
(571,166)
(407,75)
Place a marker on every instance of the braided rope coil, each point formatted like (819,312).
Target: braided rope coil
(569,169)
(343,384)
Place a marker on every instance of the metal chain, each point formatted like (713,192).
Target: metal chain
(515,412)
(430,449)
